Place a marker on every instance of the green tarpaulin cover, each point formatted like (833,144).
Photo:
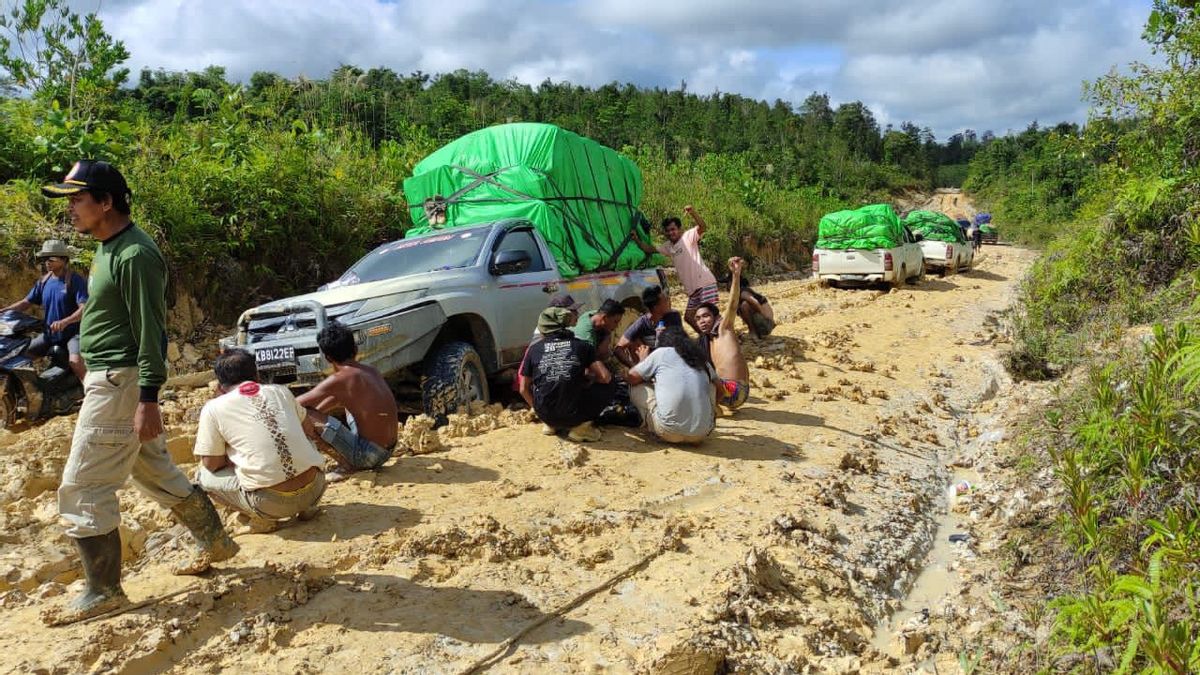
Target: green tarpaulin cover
(581,196)
(935,226)
(987,227)
(867,227)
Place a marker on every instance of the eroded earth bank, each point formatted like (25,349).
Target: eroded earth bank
(783,544)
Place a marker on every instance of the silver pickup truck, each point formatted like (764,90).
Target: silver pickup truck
(439,315)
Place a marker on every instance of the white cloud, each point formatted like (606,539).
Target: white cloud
(949,64)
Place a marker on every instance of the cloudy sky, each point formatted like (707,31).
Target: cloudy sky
(948,64)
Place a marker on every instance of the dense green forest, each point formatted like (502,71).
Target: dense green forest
(1111,308)
(275,185)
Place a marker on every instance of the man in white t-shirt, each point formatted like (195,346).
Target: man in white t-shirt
(683,247)
(254,455)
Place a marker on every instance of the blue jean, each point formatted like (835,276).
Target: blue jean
(354,450)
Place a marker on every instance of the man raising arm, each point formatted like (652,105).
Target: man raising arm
(724,348)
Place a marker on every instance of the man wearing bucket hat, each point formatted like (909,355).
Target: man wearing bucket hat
(61,293)
(119,431)
(565,384)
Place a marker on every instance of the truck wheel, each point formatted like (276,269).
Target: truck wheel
(901,278)
(453,377)
(8,404)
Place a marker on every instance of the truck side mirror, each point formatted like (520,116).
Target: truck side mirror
(917,236)
(511,261)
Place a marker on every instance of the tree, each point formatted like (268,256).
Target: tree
(58,56)
(856,126)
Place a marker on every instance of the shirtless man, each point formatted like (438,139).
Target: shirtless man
(724,349)
(369,437)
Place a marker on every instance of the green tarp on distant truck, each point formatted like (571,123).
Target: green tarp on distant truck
(866,228)
(581,196)
(935,226)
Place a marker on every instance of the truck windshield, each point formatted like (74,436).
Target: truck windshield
(415,256)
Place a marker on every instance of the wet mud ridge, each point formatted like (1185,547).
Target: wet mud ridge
(797,539)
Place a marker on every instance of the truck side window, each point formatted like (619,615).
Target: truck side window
(522,240)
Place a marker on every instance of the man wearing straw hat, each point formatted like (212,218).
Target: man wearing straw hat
(61,294)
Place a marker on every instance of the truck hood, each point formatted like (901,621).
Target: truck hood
(343,294)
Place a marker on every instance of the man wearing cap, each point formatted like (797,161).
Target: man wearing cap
(61,294)
(565,384)
(119,431)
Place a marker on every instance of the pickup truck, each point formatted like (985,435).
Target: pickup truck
(894,266)
(947,257)
(439,314)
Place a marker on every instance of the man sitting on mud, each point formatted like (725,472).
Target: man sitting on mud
(596,327)
(567,386)
(254,455)
(368,437)
(645,330)
(673,389)
(724,349)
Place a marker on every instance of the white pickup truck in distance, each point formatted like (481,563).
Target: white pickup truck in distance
(893,266)
(947,257)
(866,245)
(947,250)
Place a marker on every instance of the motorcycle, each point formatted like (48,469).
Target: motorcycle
(33,389)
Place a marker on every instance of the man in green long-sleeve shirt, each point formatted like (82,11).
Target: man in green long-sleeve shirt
(119,432)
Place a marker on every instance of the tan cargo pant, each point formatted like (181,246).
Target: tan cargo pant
(105,451)
(223,486)
(643,398)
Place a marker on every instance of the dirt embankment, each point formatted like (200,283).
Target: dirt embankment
(776,546)
(950,201)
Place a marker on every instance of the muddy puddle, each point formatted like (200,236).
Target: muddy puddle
(936,586)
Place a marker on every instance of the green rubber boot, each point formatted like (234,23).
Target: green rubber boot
(213,543)
(101,557)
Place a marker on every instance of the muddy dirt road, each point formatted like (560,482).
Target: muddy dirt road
(779,545)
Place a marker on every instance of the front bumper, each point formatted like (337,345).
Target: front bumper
(389,343)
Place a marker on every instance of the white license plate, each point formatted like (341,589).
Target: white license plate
(275,357)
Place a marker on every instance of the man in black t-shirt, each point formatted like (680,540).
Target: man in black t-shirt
(566,385)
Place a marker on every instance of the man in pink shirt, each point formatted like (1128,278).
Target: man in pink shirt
(683,246)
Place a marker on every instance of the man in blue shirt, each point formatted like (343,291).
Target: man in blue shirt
(61,294)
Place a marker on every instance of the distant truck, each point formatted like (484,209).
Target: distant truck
(987,229)
(945,247)
(864,246)
(504,218)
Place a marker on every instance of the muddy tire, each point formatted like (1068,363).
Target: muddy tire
(901,278)
(453,377)
(8,404)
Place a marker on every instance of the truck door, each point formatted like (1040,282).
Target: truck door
(521,295)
